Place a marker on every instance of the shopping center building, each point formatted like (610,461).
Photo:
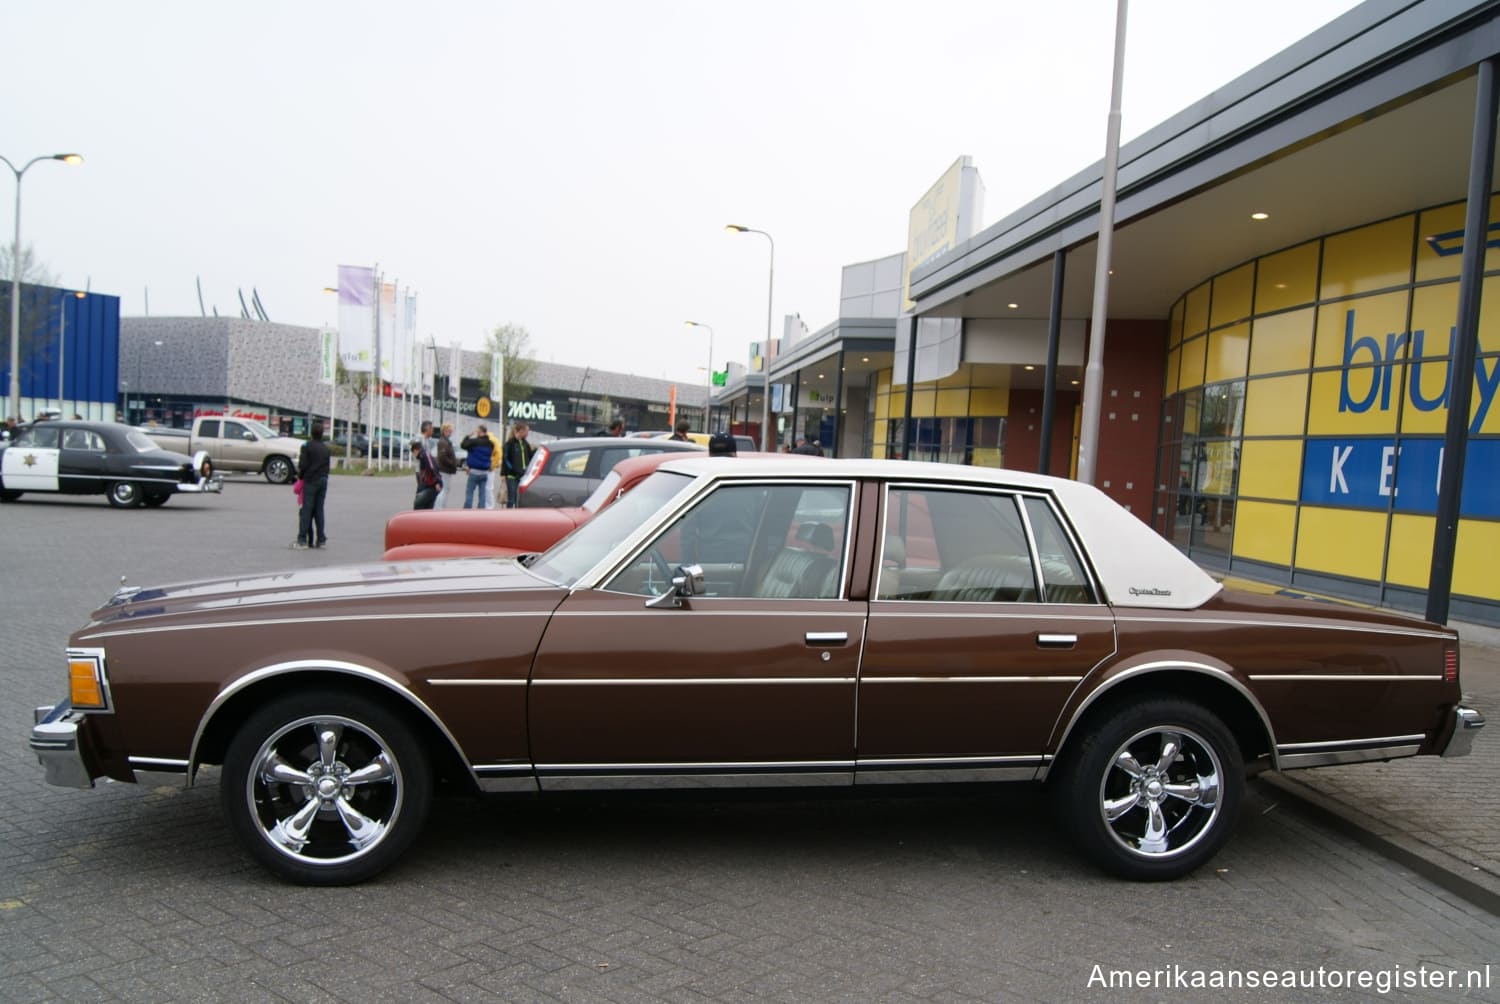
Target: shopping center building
(1282,320)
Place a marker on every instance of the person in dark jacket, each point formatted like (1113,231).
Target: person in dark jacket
(518,451)
(428,479)
(312,467)
(447,462)
(480,448)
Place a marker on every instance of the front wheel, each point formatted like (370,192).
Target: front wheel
(326,787)
(154,500)
(1153,789)
(9,495)
(124,494)
(278,471)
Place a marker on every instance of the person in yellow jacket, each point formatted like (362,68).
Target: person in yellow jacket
(496,460)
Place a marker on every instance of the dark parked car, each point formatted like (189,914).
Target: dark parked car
(565,472)
(386,445)
(100,458)
(753,622)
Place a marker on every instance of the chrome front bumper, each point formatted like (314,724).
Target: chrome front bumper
(54,740)
(1467,726)
(213,483)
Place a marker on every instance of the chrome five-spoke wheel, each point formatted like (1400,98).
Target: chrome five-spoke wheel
(1153,788)
(330,797)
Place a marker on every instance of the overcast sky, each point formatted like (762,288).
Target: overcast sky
(565,166)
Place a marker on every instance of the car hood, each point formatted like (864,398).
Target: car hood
(372,584)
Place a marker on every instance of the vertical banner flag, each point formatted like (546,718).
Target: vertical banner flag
(357,317)
(497,384)
(386,328)
(455,369)
(409,376)
(328,358)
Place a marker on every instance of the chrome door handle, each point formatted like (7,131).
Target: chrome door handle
(1056,640)
(826,638)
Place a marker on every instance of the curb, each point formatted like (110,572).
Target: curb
(1470,882)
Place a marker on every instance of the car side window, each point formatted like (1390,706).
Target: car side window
(82,439)
(752,541)
(568,463)
(955,546)
(209,428)
(43,437)
(1063,578)
(234,430)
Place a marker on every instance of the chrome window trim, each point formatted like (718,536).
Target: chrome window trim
(628,549)
(1153,667)
(480,682)
(317,665)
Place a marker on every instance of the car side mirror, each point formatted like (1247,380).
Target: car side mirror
(248,437)
(687,582)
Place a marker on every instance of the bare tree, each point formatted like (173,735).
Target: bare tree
(32,269)
(513,343)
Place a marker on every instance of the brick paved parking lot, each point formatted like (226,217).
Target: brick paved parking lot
(125,893)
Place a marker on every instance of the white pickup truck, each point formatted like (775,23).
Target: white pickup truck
(234,444)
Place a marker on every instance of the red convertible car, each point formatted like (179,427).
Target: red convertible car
(505,533)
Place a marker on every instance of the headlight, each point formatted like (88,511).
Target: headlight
(88,684)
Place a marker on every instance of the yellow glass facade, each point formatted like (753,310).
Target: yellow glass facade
(958,419)
(1306,399)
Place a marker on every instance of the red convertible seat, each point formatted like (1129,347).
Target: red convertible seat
(990,578)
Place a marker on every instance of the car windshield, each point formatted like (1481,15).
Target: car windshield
(260,431)
(567,560)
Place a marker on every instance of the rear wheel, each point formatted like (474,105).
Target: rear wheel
(326,787)
(1153,788)
(155,499)
(124,494)
(278,470)
(9,496)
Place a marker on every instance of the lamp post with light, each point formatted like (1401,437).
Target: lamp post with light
(708,399)
(765,353)
(15,277)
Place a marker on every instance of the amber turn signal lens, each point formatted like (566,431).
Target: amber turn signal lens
(84,688)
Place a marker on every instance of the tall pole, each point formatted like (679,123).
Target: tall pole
(62,344)
(765,353)
(1093,372)
(15,278)
(709,393)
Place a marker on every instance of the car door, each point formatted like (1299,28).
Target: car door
(976,636)
(30,463)
(239,447)
(81,466)
(750,682)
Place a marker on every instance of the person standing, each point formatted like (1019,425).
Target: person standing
(428,480)
(478,446)
(680,433)
(447,462)
(312,467)
(518,451)
(497,459)
(615,429)
(428,443)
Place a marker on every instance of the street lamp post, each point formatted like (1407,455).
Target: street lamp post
(708,399)
(765,405)
(15,278)
(62,339)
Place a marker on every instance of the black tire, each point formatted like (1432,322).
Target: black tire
(277,769)
(155,500)
(9,496)
(278,470)
(1144,812)
(124,494)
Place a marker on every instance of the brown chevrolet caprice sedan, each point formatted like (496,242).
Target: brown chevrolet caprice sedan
(753,622)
